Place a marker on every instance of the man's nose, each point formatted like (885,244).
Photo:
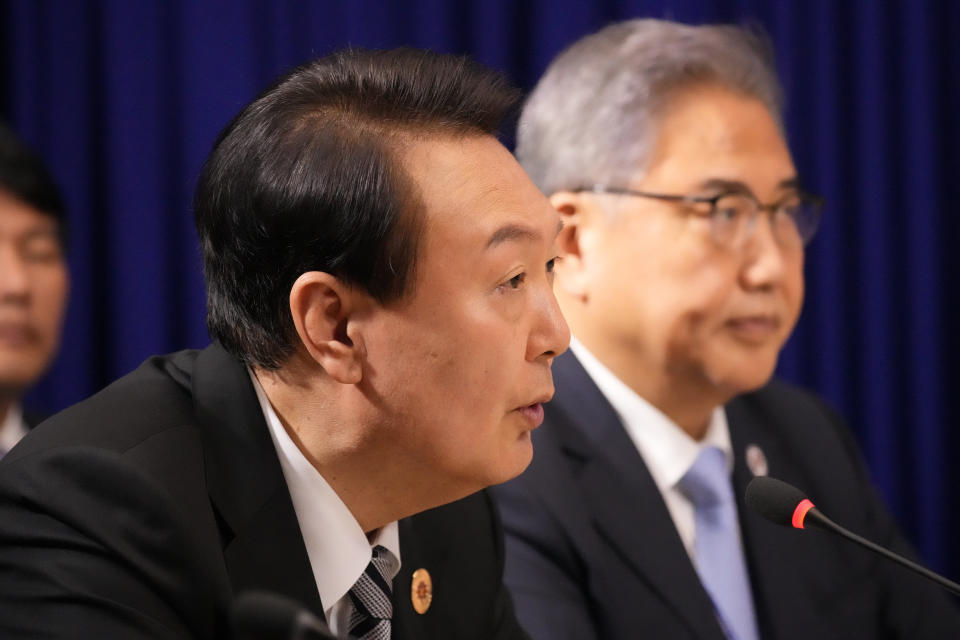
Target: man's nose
(764,257)
(14,276)
(551,335)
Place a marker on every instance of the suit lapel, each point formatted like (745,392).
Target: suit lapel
(626,504)
(771,553)
(263,546)
(406,622)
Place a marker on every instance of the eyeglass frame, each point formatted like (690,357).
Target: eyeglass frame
(816,201)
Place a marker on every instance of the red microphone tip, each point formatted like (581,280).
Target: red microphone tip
(801,512)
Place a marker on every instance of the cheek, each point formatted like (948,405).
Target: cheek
(692,298)
(473,388)
(460,415)
(49,293)
(794,290)
(461,370)
(658,292)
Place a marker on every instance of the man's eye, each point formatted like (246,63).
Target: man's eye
(41,248)
(727,210)
(731,207)
(516,281)
(790,208)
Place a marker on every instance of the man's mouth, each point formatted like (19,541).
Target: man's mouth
(758,328)
(532,413)
(17,334)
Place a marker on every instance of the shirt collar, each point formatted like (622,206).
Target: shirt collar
(337,547)
(12,429)
(667,450)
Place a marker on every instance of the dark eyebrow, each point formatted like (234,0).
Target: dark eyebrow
(790,183)
(719,185)
(512,232)
(40,232)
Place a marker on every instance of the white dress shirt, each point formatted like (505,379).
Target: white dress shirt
(667,450)
(337,547)
(13,429)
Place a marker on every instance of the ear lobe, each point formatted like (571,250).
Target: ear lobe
(321,305)
(571,270)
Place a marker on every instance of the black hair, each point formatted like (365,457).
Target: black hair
(24,176)
(308,178)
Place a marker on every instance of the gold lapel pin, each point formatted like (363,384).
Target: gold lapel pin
(421,591)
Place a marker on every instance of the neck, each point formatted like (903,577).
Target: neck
(6,404)
(336,428)
(685,411)
(688,405)
(687,401)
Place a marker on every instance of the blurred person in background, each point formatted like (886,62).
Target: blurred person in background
(33,280)
(663,147)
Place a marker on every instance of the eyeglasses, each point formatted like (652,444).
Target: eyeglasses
(733,215)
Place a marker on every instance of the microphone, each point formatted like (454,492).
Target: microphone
(784,504)
(263,615)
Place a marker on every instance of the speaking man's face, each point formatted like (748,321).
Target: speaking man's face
(665,303)
(33,293)
(461,365)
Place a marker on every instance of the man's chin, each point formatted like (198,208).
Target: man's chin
(743,377)
(15,380)
(520,457)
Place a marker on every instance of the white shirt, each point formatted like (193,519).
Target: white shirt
(12,430)
(337,547)
(666,449)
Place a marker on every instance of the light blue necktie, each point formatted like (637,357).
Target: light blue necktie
(719,556)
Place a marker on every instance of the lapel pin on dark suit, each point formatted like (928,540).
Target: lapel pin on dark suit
(421,591)
(756,460)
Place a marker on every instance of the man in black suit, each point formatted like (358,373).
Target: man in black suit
(662,146)
(379,274)
(33,280)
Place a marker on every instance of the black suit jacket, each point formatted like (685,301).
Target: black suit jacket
(142,511)
(593,553)
(32,418)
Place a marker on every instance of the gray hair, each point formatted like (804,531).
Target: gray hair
(593,116)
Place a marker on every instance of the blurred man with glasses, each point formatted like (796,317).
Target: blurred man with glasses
(662,145)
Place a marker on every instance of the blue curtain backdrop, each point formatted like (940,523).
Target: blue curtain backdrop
(125,98)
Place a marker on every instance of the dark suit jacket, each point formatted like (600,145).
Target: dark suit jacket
(32,418)
(142,511)
(593,553)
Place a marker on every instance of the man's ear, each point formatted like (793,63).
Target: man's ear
(578,220)
(322,306)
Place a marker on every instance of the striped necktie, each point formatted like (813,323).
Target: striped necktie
(370,595)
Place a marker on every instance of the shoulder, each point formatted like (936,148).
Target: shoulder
(134,440)
(808,443)
(114,489)
(795,416)
(778,396)
(135,437)
(91,524)
(154,397)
